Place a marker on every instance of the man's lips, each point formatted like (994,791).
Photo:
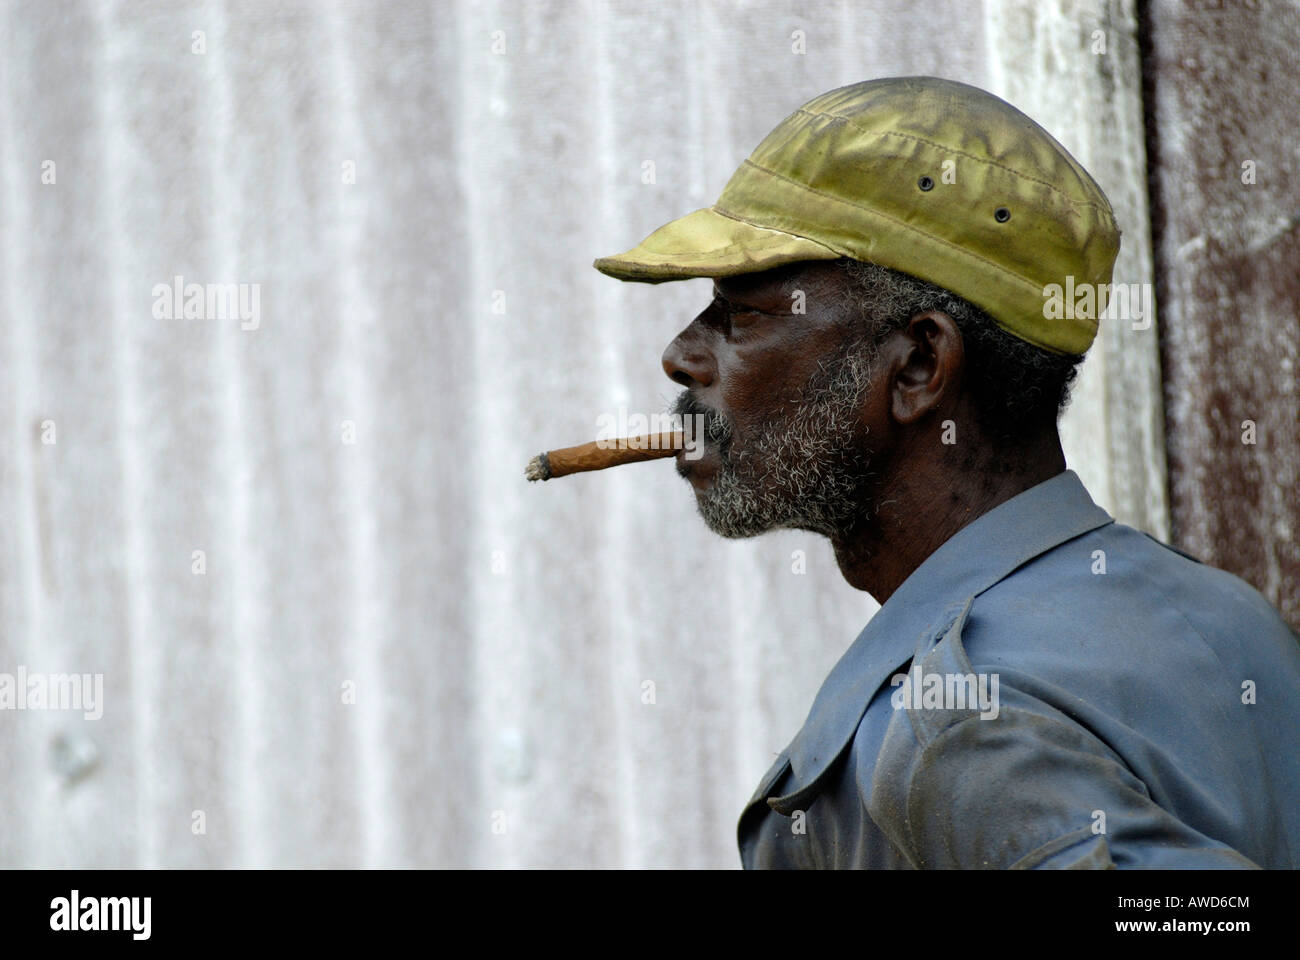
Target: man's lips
(701,470)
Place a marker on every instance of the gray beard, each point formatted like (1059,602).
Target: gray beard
(806,469)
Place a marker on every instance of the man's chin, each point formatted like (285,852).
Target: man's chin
(731,529)
(734,521)
(738,508)
(740,520)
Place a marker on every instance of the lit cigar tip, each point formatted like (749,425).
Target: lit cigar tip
(539,468)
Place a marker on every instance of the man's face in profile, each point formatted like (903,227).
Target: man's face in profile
(783,395)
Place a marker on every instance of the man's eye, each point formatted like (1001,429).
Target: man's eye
(736,316)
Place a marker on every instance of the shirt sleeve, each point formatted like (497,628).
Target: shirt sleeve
(1025,789)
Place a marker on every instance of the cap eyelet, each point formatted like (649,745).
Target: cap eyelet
(925,183)
(1001,214)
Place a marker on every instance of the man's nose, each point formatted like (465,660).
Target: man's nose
(687,361)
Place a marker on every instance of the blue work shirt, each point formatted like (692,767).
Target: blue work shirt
(1147,712)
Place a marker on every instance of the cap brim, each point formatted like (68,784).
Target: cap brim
(708,243)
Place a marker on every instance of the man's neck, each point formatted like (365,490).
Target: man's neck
(920,507)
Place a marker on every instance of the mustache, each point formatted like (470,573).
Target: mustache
(717,428)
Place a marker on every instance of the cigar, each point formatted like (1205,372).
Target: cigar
(600,454)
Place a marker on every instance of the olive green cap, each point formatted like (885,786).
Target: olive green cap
(938,179)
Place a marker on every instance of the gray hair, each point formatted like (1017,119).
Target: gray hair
(1018,389)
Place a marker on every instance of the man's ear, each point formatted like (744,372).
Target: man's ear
(927,371)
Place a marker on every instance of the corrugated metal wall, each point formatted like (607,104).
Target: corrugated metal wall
(497,637)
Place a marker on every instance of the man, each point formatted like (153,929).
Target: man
(1042,686)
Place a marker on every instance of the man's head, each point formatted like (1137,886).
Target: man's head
(813,416)
(922,224)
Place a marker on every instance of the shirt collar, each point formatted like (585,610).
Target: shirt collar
(979,555)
